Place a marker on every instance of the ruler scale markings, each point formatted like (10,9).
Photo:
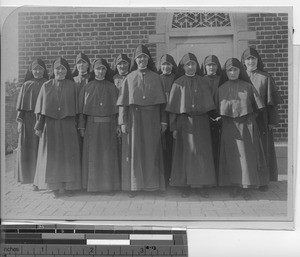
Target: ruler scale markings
(126,250)
(101,250)
(104,255)
(176,250)
(40,249)
(89,250)
(52,249)
(151,242)
(24,255)
(85,240)
(46,255)
(77,249)
(138,250)
(27,249)
(64,249)
(164,250)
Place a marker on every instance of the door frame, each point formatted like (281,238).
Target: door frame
(238,30)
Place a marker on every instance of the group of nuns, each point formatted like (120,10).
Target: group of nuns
(136,129)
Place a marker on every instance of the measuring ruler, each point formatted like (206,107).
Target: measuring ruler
(64,240)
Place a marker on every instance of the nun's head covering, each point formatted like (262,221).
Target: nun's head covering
(233,62)
(167,58)
(208,60)
(61,61)
(35,62)
(252,52)
(81,56)
(101,62)
(185,59)
(120,58)
(142,49)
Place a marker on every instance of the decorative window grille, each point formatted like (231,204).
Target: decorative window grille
(200,20)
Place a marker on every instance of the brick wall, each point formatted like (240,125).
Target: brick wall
(272,45)
(49,35)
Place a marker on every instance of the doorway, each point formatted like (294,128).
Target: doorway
(202,46)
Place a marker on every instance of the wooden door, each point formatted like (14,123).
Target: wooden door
(201,46)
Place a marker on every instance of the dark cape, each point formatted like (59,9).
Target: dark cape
(141,102)
(100,166)
(135,87)
(242,161)
(270,97)
(58,163)
(189,103)
(28,141)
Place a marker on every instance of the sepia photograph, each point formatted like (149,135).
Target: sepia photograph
(157,114)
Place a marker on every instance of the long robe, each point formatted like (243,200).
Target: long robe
(189,103)
(28,142)
(58,162)
(167,138)
(270,97)
(100,165)
(242,161)
(141,101)
(215,127)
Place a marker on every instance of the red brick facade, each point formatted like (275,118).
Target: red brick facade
(49,35)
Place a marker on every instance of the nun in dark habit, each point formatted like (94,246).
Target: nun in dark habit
(98,126)
(142,118)
(122,65)
(242,160)
(167,70)
(268,116)
(211,71)
(189,105)
(121,70)
(58,163)
(81,71)
(28,143)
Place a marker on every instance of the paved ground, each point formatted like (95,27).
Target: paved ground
(20,202)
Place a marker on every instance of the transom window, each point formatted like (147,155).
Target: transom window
(200,20)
